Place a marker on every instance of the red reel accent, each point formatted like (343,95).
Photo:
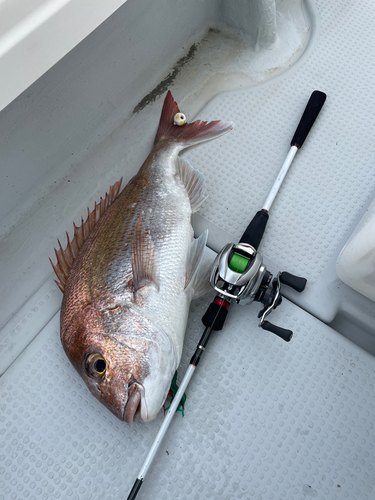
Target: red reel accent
(221,302)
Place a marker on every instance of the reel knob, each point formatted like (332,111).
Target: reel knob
(271,298)
(296,282)
(283,333)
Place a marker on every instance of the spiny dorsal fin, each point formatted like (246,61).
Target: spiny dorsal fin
(65,258)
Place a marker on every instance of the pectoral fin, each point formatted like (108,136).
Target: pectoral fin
(144,267)
(201,283)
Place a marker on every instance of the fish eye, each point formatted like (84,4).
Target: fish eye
(95,365)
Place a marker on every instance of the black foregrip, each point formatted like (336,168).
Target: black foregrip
(201,346)
(295,282)
(215,316)
(255,230)
(309,116)
(136,487)
(280,332)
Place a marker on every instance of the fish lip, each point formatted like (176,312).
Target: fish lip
(133,405)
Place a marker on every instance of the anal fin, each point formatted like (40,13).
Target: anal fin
(194,183)
(65,258)
(197,276)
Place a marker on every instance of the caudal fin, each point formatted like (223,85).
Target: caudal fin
(190,133)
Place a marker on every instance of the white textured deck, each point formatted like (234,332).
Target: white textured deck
(264,419)
(332,179)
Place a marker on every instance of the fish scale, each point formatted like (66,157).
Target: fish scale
(135,270)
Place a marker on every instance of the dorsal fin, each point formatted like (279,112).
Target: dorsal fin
(65,258)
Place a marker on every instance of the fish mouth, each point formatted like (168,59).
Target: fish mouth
(133,405)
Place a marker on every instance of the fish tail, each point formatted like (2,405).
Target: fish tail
(190,133)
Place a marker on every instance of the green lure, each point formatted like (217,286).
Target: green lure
(172,392)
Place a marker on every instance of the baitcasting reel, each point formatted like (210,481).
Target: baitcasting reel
(238,273)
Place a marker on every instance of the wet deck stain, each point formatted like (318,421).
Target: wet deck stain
(164,85)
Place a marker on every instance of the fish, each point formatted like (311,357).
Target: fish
(130,272)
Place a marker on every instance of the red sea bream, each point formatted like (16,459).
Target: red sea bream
(130,272)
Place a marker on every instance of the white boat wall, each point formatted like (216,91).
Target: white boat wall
(264,419)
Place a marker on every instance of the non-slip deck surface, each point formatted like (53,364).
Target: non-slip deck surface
(264,419)
(332,179)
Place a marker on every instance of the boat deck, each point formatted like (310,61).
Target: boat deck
(264,419)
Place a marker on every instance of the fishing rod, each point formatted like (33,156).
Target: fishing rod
(238,273)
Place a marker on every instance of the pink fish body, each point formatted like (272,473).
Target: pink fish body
(130,273)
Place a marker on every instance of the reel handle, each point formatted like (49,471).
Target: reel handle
(309,116)
(295,282)
(283,333)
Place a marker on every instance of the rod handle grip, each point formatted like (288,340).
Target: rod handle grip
(136,487)
(254,232)
(283,333)
(216,315)
(309,116)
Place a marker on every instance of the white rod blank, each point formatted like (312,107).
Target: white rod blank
(279,180)
(164,426)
